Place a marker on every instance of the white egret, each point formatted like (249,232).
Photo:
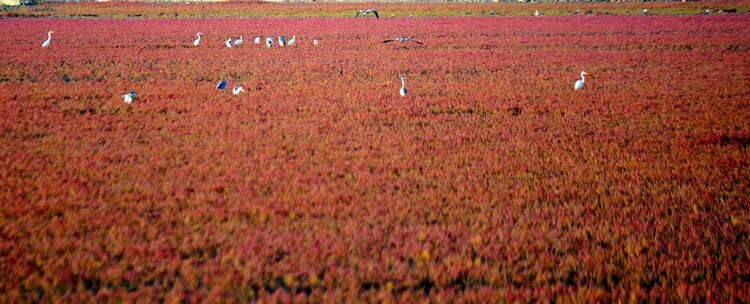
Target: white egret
(48,42)
(197,41)
(129,97)
(239,42)
(282,41)
(402,40)
(222,85)
(293,40)
(645,11)
(403,90)
(228,43)
(257,39)
(237,90)
(579,82)
(364,12)
(315,42)
(269,42)
(537,13)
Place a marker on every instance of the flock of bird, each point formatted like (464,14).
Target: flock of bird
(239,41)
(269,41)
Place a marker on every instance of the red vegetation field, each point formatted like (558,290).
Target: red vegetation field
(244,9)
(491,181)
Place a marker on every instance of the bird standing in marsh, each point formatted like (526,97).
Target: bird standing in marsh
(580,82)
(47,43)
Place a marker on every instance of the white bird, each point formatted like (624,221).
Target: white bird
(364,12)
(239,42)
(282,41)
(197,41)
(293,40)
(129,97)
(229,43)
(48,42)
(257,40)
(315,42)
(402,40)
(269,42)
(645,11)
(579,82)
(536,13)
(403,90)
(237,90)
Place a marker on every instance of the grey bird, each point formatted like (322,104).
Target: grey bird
(364,12)
(402,40)
(222,85)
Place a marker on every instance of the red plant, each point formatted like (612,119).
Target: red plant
(493,180)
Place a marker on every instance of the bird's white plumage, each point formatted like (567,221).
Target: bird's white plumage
(257,40)
(237,90)
(315,42)
(269,42)
(129,97)
(47,43)
(282,41)
(228,43)
(239,42)
(293,40)
(197,41)
(580,82)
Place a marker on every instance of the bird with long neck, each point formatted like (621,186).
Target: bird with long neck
(228,43)
(403,89)
(197,41)
(239,42)
(579,84)
(48,42)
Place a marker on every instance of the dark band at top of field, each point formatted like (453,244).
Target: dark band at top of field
(339,10)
